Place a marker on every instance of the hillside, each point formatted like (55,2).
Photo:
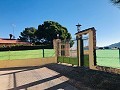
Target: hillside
(115,45)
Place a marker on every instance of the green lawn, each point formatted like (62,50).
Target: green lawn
(109,58)
(26,54)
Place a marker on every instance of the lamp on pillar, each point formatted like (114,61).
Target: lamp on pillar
(78,27)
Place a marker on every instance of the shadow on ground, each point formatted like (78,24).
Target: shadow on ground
(84,78)
(79,77)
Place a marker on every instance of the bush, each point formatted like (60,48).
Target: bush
(15,48)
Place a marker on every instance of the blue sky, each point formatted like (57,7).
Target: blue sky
(101,14)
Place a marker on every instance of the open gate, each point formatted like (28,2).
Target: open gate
(67,51)
(87,47)
(81,53)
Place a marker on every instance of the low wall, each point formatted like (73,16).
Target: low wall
(109,69)
(27,62)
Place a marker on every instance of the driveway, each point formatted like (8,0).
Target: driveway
(57,77)
(33,78)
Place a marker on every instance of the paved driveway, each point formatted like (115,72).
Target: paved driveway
(57,77)
(37,78)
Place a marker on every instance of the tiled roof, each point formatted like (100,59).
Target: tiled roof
(11,41)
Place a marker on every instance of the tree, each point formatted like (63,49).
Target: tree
(49,30)
(10,36)
(28,35)
(45,33)
(71,43)
(116,2)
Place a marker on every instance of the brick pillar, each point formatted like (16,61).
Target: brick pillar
(57,46)
(67,48)
(92,47)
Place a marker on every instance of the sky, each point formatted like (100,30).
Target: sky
(16,15)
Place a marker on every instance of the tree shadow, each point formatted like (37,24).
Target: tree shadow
(14,73)
(25,86)
(85,78)
(80,77)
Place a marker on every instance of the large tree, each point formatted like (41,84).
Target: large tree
(49,31)
(28,35)
(46,32)
(116,2)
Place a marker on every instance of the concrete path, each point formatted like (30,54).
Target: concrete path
(41,78)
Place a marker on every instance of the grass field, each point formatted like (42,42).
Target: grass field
(109,58)
(26,54)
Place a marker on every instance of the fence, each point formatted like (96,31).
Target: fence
(26,54)
(25,58)
(108,58)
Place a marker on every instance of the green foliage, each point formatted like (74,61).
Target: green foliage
(116,2)
(49,30)
(45,33)
(28,35)
(71,43)
(10,36)
(21,47)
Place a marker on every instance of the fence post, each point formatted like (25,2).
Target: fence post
(43,53)
(82,52)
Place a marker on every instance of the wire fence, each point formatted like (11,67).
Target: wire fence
(26,54)
(108,58)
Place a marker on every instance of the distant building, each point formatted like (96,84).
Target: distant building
(11,42)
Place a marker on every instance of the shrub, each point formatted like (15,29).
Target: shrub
(17,47)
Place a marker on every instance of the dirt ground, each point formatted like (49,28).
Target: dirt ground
(57,77)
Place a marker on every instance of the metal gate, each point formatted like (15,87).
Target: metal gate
(85,42)
(68,52)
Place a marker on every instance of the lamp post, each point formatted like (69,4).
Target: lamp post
(78,27)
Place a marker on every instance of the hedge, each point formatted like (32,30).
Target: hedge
(15,48)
